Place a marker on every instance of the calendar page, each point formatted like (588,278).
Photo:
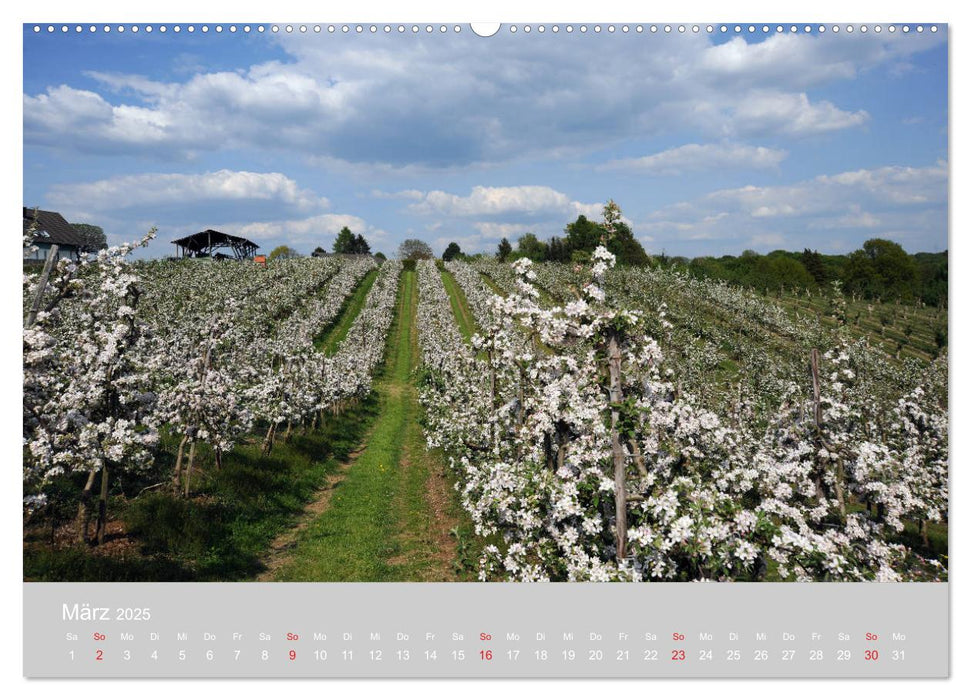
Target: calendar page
(514,350)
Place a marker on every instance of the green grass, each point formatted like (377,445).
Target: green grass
(380,525)
(330,339)
(460,306)
(923,323)
(223,533)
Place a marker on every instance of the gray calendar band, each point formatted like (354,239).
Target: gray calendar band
(439,630)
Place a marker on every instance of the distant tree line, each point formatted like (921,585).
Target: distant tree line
(349,244)
(881,269)
(93,236)
(579,240)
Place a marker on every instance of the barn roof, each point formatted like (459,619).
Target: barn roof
(51,227)
(205,239)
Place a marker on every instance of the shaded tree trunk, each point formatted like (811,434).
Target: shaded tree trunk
(84,508)
(268,440)
(177,475)
(102,506)
(188,468)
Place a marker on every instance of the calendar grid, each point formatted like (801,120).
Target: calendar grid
(485,630)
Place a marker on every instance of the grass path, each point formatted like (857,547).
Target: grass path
(328,341)
(389,517)
(460,306)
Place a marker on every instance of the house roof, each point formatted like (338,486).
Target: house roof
(51,228)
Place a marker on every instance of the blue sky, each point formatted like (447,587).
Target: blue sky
(711,144)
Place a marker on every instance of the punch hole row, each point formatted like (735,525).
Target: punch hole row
(512,29)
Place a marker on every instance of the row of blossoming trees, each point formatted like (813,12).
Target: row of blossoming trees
(595,436)
(117,352)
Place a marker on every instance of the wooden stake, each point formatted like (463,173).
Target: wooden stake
(617,448)
(45,274)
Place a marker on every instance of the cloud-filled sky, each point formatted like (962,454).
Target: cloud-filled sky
(710,143)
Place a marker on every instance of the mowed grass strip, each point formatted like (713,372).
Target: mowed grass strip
(358,536)
(330,339)
(460,305)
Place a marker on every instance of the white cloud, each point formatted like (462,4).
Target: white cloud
(492,230)
(167,189)
(436,102)
(403,194)
(315,230)
(907,203)
(529,201)
(791,115)
(696,157)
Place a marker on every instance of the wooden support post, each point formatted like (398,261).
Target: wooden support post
(617,448)
(45,275)
(817,415)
